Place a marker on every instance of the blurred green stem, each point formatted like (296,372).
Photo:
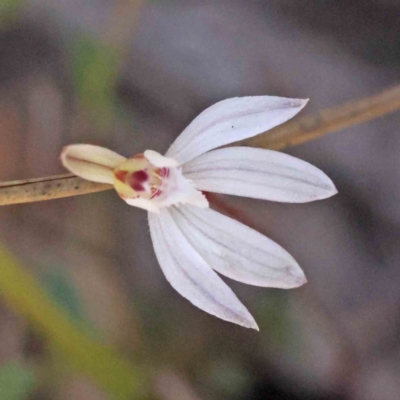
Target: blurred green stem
(84,354)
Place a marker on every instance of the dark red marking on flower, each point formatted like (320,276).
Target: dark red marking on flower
(138,187)
(140,176)
(136,180)
(155,194)
(121,175)
(163,172)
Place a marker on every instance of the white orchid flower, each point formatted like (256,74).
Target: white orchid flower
(190,240)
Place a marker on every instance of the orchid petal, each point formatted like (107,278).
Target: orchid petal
(158,160)
(259,173)
(231,120)
(93,163)
(191,276)
(237,251)
(145,204)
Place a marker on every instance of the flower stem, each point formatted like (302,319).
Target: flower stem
(47,188)
(312,127)
(293,133)
(100,362)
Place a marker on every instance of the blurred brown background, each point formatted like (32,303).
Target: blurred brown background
(130,75)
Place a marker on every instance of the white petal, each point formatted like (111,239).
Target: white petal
(237,251)
(93,163)
(158,160)
(231,120)
(176,189)
(145,204)
(259,173)
(191,276)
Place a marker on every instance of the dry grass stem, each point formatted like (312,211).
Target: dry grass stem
(293,133)
(312,127)
(48,188)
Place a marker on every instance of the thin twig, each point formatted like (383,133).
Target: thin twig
(48,188)
(293,133)
(334,119)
